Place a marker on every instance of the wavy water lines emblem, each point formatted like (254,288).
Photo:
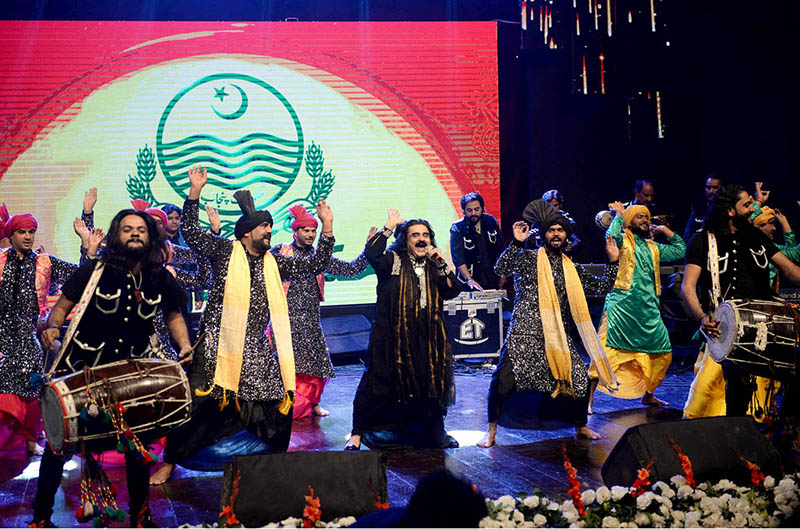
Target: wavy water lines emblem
(241,129)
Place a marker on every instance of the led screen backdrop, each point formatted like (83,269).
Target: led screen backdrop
(366,115)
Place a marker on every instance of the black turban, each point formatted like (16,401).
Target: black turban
(251,217)
(544,215)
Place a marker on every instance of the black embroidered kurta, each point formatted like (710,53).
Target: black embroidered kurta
(19,314)
(525,338)
(380,402)
(260,378)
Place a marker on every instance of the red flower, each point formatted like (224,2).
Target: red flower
(686,464)
(642,480)
(574,485)
(383,505)
(227,510)
(756,476)
(311,513)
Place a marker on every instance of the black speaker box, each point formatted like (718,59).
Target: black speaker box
(272,486)
(710,443)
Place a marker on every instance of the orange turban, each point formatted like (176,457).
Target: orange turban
(765,217)
(631,211)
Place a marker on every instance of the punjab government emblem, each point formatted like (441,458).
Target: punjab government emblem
(247,135)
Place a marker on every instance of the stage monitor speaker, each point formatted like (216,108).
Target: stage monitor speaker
(713,445)
(272,486)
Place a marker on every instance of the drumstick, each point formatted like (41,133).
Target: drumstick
(199,339)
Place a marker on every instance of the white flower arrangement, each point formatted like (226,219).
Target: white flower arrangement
(673,504)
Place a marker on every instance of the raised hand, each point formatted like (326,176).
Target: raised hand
(761,195)
(394,219)
(324,211)
(96,238)
(89,200)
(213,219)
(657,228)
(616,207)
(81,231)
(612,250)
(198,177)
(372,231)
(521,230)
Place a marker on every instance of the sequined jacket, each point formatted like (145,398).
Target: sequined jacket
(525,338)
(20,351)
(260,379)
(310,351)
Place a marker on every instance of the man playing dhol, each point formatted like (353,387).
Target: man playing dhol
(475,243)
(311,358)
(237,380)
(631,329)
(408,383)
(539,353)
(741,255)
(127,286)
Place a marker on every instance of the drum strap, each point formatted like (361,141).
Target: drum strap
(713,267)
(80,309)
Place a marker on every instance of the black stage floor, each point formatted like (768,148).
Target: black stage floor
(522,460)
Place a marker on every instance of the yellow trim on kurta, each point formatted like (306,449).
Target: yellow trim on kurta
(627,262)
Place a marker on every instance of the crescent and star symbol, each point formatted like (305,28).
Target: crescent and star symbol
(221,94)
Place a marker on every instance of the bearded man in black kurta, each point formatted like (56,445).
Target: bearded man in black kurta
(404,393)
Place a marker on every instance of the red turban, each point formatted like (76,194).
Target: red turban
(3,219)
(141,205)
(302,219)
(21,221)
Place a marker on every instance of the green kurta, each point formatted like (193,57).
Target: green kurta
(633,317)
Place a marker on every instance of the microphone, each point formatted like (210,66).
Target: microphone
(439,260)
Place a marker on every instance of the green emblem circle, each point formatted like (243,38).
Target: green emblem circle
(264,163)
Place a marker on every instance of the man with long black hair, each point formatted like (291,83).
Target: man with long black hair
(404,393)
(127,285)
(741,255)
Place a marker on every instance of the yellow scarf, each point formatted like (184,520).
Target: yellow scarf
(556,346)
(233,327)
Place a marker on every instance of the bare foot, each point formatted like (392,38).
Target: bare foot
(488,439)
(34,449)
(319,410)
(162,475)
(584,432)
(354,441)
(652,400)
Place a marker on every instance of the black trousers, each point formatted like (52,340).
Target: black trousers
(209,424)
(739,388)
(51,467)
(562,408)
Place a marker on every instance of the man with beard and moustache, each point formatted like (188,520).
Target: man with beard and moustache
(128,284)
(312,361)
(236,378)
(540,354)
(698,212)
(634,335)
(27,276)
(743,254)
(475,243)
(408,383)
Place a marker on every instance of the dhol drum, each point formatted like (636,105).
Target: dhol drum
(758,336)
(155,395)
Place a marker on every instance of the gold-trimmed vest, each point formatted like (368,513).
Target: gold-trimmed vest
(627,262)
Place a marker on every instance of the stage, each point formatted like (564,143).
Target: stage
(521,461)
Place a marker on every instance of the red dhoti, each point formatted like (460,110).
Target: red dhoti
(309,393)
